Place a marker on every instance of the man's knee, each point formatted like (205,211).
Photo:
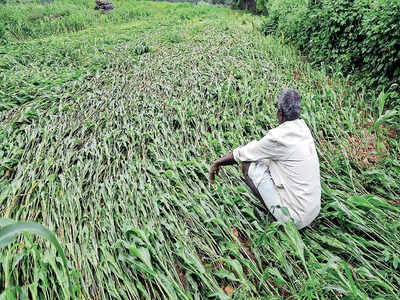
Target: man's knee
(245,169)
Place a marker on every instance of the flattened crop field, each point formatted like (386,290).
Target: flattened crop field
(109,124)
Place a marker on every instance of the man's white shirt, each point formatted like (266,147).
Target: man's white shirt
(290,153)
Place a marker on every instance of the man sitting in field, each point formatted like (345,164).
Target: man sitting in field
(282,169)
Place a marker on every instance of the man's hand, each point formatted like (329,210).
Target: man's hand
(223,161)
(214,171)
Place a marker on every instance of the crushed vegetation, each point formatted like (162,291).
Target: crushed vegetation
(107,140)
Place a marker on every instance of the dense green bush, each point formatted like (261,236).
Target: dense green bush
(283,16)
(381,47)
(361,36)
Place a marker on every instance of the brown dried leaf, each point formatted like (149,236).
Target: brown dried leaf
(235,232)
(228,290)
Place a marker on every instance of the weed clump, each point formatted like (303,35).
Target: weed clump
(141,48)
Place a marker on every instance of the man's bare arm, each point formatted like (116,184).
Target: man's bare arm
(223,161)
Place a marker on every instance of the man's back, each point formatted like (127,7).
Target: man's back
(295,171)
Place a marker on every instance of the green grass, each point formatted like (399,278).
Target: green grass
(108,130)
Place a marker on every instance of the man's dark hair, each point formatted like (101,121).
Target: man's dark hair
(289,104)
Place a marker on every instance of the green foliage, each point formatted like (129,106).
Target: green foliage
(380,46)
(2,34)
(361,36)
(261,6)
(8,231)
(32,20)
(245,4)
(141,47)
(111,150)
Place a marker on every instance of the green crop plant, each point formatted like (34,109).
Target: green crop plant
(109,147)
(14,263)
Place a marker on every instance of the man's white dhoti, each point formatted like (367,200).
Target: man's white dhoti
(259,173)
